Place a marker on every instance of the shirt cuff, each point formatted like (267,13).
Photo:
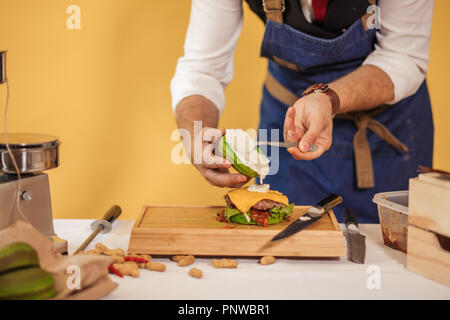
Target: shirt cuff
(406,76)
(193,83)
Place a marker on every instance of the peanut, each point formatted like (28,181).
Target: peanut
(109,252)
(114,252)
(186,261)
(267,260)
(117,259)
(142,256)
(178,258)
(155,266)
(94,251)
(196,273)
(129,268)
(224,263)
(100,246)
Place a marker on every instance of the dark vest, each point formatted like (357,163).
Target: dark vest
(340,15)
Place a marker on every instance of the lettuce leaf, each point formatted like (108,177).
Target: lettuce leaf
(240,218)
(284,210)
(276,215)
(232,212)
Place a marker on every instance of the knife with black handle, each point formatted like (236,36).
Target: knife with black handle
(312,215)
(356,242)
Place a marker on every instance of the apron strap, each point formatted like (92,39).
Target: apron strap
(363,120)
(274,9)
(363,156)
(278,91)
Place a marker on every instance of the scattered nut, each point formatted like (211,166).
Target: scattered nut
(129,268)
(155,266)
(114,252)
(176,258)
(100,246)
(196,273)
(224,263)
(94,251)
(142,256)
(267,260)
(109,252)
(186,261)
(179,257)
(117,259)
(145,256)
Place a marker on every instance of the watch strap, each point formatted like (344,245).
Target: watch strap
(324,88)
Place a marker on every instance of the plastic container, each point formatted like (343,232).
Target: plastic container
(393,214)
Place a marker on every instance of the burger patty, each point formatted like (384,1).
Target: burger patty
(264,204)
(267,204)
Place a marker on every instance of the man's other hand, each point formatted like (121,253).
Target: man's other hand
(309,121)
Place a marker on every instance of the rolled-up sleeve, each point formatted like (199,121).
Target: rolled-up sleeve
(207,65)
(403,41)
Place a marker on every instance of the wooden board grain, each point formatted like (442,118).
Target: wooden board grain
(169,230)
(427,256)
(428,203)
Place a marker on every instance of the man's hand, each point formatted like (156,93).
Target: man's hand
(309,122)
(214,168)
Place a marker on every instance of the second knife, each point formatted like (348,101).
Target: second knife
(312,215)
(355,240)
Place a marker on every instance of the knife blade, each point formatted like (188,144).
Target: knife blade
(283,144)
(355,240)
(312,215)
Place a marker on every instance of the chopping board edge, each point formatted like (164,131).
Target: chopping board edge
(313,243)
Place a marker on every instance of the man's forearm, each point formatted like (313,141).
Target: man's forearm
(196,108)
(365,88)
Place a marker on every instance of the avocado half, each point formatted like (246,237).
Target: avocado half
(238,164)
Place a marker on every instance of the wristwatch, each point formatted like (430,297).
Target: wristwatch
(323,88)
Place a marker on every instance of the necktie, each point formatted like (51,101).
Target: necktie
(320,8)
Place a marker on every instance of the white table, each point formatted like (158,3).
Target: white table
(286,279)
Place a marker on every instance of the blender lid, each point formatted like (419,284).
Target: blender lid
(28,140)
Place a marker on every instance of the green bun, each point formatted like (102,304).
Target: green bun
(227,151)
(31,283)
(17,255)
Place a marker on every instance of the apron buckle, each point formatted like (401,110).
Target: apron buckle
(272,6)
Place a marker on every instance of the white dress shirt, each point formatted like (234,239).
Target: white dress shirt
(402,48)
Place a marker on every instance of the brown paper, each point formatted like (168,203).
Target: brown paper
(92,269)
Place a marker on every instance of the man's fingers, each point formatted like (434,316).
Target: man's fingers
(212,134)
(309,138)
(289,122)
(292,132)
(223,178)
(212,161)
(209,158)
(298,155)
(322,144)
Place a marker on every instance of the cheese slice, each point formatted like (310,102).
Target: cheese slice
(244,199)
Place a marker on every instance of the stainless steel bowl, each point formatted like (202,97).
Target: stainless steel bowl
(33,152)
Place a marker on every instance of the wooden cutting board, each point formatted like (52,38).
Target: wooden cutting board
(171,230)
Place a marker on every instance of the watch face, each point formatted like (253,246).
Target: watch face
(322,88)
(318,87)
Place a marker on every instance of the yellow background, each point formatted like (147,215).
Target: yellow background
(104,90)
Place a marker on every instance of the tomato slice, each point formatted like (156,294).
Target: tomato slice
(261,217)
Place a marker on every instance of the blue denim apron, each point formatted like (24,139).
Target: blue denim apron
(323,61)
